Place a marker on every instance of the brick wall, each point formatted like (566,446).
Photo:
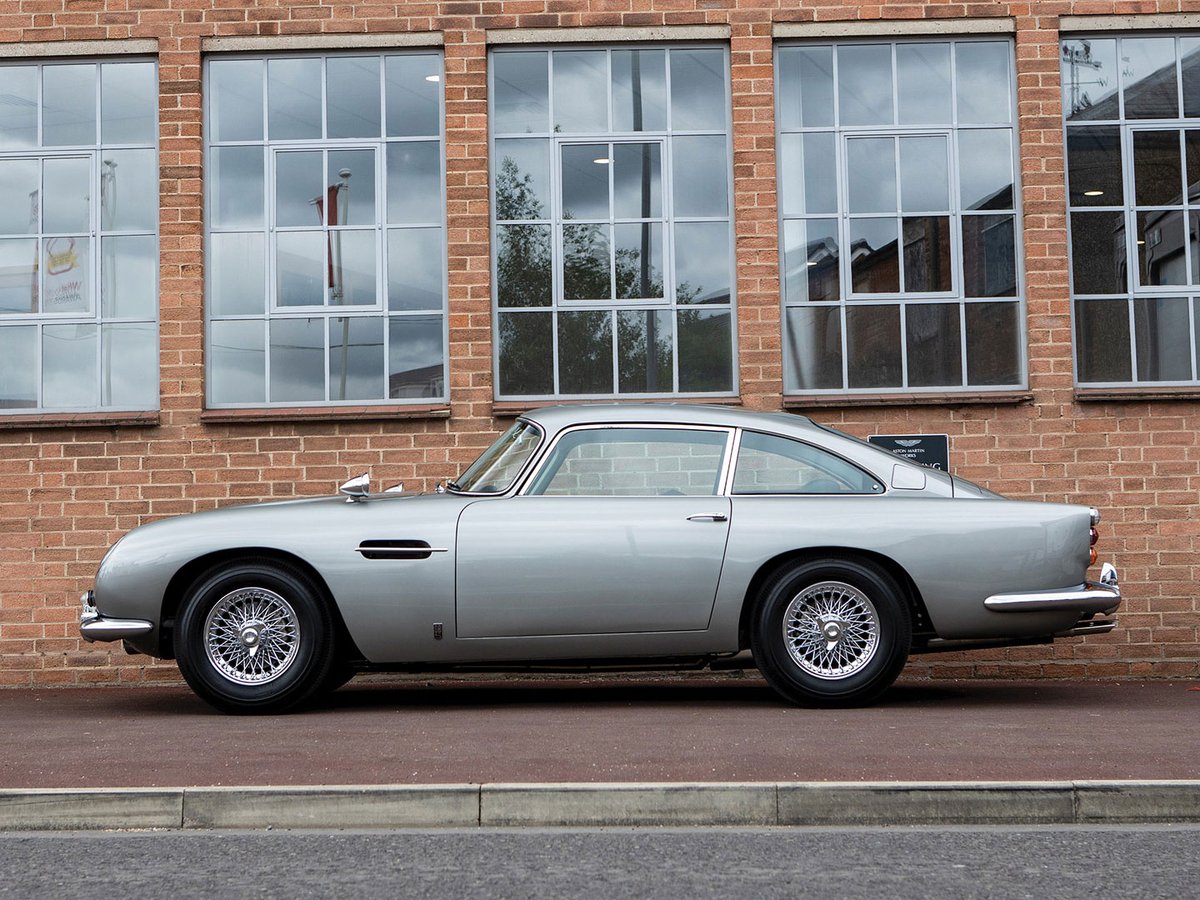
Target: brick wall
(69,487)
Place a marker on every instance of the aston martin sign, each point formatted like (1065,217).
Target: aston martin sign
(932,450)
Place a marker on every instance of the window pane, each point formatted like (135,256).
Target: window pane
(526,354)
(301,272)
(993,343)
(416,269)
(1094,166)
(702,263)
(299,193)
(585,352)
(587,270)
(237,276)
(1102,340)
(637,181)
(984,85)
(865,84)
(128,98)
(352,279)
(521,93)
(639,88)
(645,358)
(1163,340)
(1098,252)
(701,176)
(807,173)
(297,360)
(66,191)
(705,350)
(66,275)
(580,91)
(873,342)
(933,344)
(871,168)
(923,75)
(812,352)
(128,277)
(1089,80)
(18,367)
(129,190)
(811,271)
(235,99)
(1157,168)
(1148,78)
(1189,51)
(924,174)
(293,99)
(415,357)
(18,116)
(985,169)
(352,104)
(639,261)
(927,254)
(874,265)
(129,366)
(522,180)
(1161,249)
(523,263)
(353,173)
(18,286)
(19,182)
(68,105)
(413,87)
(237,187)
(69,367)
(768,464)
(989,256)
(238,365)
(698,90)
(414,183)
(585,181)
(356,358)
(805,86)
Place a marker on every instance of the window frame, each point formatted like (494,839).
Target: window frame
(733,492)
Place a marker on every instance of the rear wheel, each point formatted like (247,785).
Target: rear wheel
(831,632)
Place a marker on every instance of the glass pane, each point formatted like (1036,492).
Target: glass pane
(237,367)
(1189,64)
(1094,166)
(923,76)
(1102,340)
(18,366)
(129,190)
(297,360)
(586,263)
(810,259)
(698,90)
(66,275)
(645,354)
(871,167)
(299,191)
(416,357)
(985,164)
(993,343)
(414,183)
(352,268)
(1163,341)
(522,179)
(352,107)
(927,254)
(585,181)
(873,345)
(807,167)
(768,464)
(1191,154)
(924,174)
(300,270)
(356,358)
(352,174)
(523,265)
(705,350)
(580,91)
(701,182)
(639,88)
(236,274)
(1089,80)
(128,99)
(1161,248)
(18,115)
(989,256)
(129,277)
(413,89)
(520,93)
(702,262)
(1098,252)
(1157,168)
(805,86)
(235,99)
(66,190)
(68,105)
(874,266)
(639,261)
(984,86)
(526,354)
(69,367)
(1148,78)
(129,366)
(812,351)
(585,352)
(19,183)
(637,181)
(18,286)
(416,269)
(293,99)
(237,187)
(932,339)
(865,84)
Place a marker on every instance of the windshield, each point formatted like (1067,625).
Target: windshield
(495,470)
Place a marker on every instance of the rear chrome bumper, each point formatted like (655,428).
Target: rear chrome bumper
(1089,598)
(95,627)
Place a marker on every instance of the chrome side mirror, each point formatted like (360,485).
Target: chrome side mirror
(357,489)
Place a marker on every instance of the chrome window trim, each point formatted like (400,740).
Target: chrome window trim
(536,455)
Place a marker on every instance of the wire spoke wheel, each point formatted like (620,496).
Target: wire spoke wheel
(251,636)
(831,630)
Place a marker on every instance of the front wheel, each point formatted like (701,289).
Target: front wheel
(831,632)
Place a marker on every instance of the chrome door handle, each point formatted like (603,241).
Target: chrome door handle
(711,517)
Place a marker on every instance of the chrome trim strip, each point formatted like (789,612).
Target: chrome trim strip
(1095,626)
(385,552)
(95,627)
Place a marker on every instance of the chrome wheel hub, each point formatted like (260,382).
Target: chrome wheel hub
(251,636)
(831,630)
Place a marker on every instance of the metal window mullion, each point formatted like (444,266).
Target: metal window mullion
(903,345)
(1133,359)
(610,149)
(1191,302)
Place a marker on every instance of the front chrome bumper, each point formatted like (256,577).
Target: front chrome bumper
(1089,598)
(95,627)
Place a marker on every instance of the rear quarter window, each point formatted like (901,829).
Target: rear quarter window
(769,464)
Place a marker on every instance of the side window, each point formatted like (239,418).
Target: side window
(767,464)
(633,462)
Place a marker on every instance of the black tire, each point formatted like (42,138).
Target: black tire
(255,636)
(831,632)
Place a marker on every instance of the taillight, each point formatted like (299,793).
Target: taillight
(1094,536)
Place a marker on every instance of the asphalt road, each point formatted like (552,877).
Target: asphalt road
(1063,863)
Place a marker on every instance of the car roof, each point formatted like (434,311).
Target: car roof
(555,418)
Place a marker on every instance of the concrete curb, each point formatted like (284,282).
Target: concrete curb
(587,805)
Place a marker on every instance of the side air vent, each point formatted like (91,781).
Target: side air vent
(398,549)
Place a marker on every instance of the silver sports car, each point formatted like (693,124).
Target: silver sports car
(621,535)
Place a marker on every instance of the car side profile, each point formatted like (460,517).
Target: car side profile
(613,534)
